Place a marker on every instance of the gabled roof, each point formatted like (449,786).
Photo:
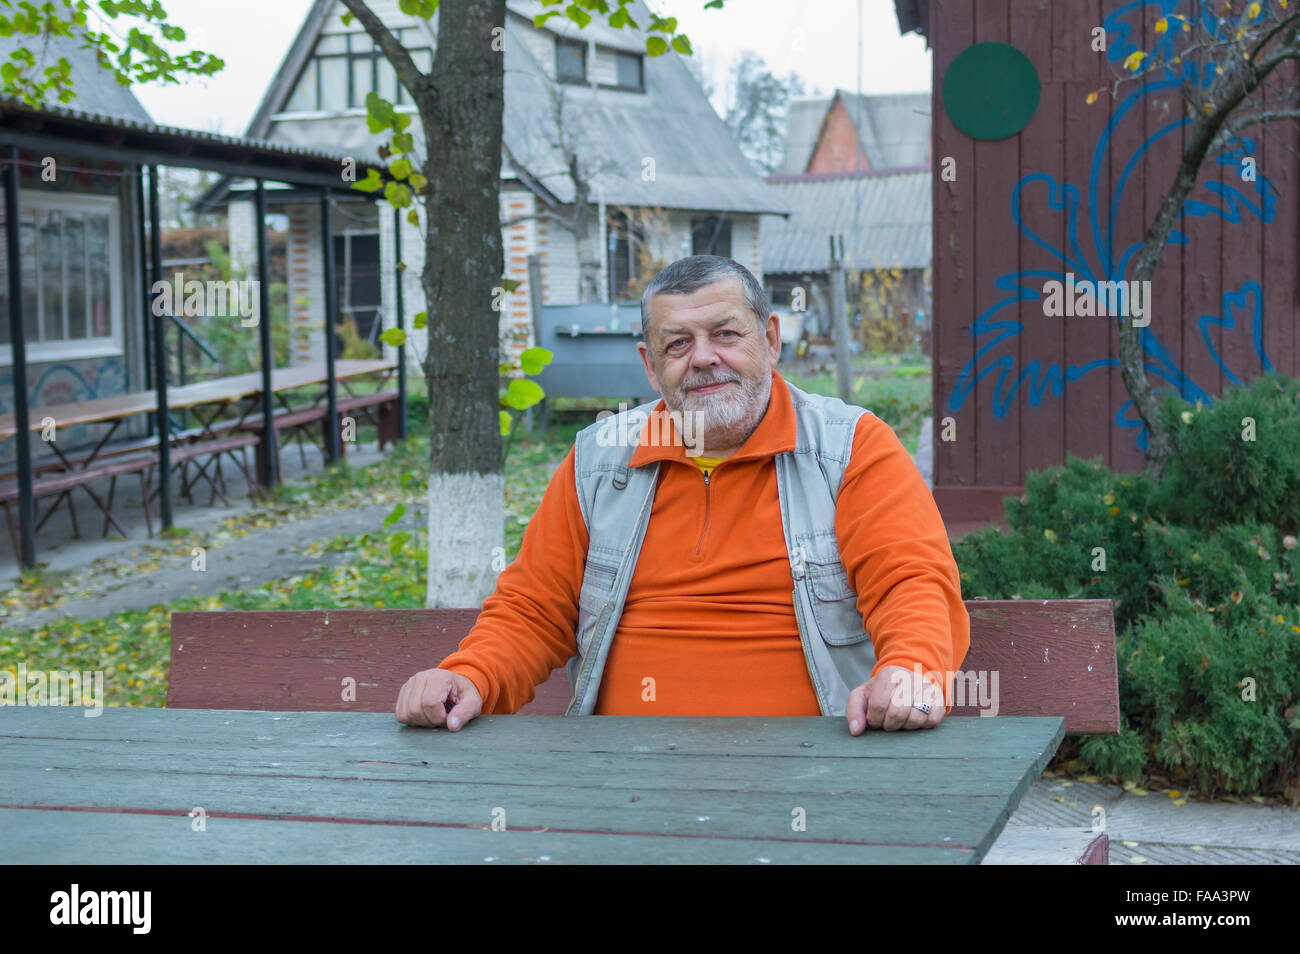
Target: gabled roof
(893,128)
(697,164)
(97,93)
(893,220)
(803,123)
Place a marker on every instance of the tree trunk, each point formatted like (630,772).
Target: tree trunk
(462,265)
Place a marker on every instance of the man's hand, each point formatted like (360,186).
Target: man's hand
(438,697)
(885,701)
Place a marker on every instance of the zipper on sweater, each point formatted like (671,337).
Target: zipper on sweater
(700,542)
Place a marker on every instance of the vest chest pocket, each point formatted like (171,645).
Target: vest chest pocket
(834,603)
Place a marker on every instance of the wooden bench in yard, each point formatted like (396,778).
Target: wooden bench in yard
(1050,657)
(62,484)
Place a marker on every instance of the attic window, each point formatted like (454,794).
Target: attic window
(346,66)
(570,61)
(629,71)
(711,236)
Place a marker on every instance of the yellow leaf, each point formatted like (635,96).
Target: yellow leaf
(1196,847)
(1235,596)
(1092,97)
(1138,860)
(1162,25)
(1134,60)
(1179,801)
(1130,844)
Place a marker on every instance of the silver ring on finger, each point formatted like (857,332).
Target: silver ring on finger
(923,706)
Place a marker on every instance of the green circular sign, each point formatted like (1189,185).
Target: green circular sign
(991,90)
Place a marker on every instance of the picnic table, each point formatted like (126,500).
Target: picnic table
(221,392)
(133,785)
(209,439)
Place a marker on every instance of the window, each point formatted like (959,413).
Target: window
(570,61)
(622,254)
(71,272)
(346,66)
(629,70)
(711,236)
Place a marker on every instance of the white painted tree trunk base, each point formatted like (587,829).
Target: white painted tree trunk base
(466,538)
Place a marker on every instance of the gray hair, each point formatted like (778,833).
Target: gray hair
(697,271)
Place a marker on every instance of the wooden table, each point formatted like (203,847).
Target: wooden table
(318,787)
(221,391)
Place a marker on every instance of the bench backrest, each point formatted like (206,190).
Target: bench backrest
(1054,657)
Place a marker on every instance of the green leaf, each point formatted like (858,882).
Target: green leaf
(543,17)
(396,515)
(400,168)
(347,18)
(409,7)
(523,393)
(577,14)
(413,217)
(656,45)
(418,182)
(532,360)
(713,5)
(373,182)
(682,45)
(393,336)
(510,284)
(505,423)
(397,194)
(403,143)
(618,19)
(421,320)
(396,542)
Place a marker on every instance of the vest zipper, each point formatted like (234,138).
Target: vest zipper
(700,542)
(588,660)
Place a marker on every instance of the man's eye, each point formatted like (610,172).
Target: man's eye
(732,333)
(674,344)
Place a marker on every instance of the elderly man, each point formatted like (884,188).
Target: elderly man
(791,562)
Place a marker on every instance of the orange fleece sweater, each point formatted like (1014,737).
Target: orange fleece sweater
(709,613)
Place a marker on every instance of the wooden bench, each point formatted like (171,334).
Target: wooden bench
(1052,657)
(63,483)
(212,450)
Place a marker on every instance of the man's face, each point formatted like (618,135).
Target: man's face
(712,361)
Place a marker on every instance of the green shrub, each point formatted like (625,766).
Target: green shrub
(1202,569)
(1216,475)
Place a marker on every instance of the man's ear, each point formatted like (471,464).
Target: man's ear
(649,368)
(773,335)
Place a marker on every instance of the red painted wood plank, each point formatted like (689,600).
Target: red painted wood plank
(1130,226)
(1281,237)
(1042,152)
(1242,258)
(953,275)
(997,163)
(1159,165)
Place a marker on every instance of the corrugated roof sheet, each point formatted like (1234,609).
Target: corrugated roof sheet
(893,225)
(10,104)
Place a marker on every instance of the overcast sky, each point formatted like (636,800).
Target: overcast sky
(815,38)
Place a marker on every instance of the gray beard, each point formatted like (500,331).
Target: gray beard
(721,420)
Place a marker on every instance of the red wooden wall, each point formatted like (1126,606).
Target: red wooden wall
(977,241)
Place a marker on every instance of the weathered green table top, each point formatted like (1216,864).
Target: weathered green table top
(321,787)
